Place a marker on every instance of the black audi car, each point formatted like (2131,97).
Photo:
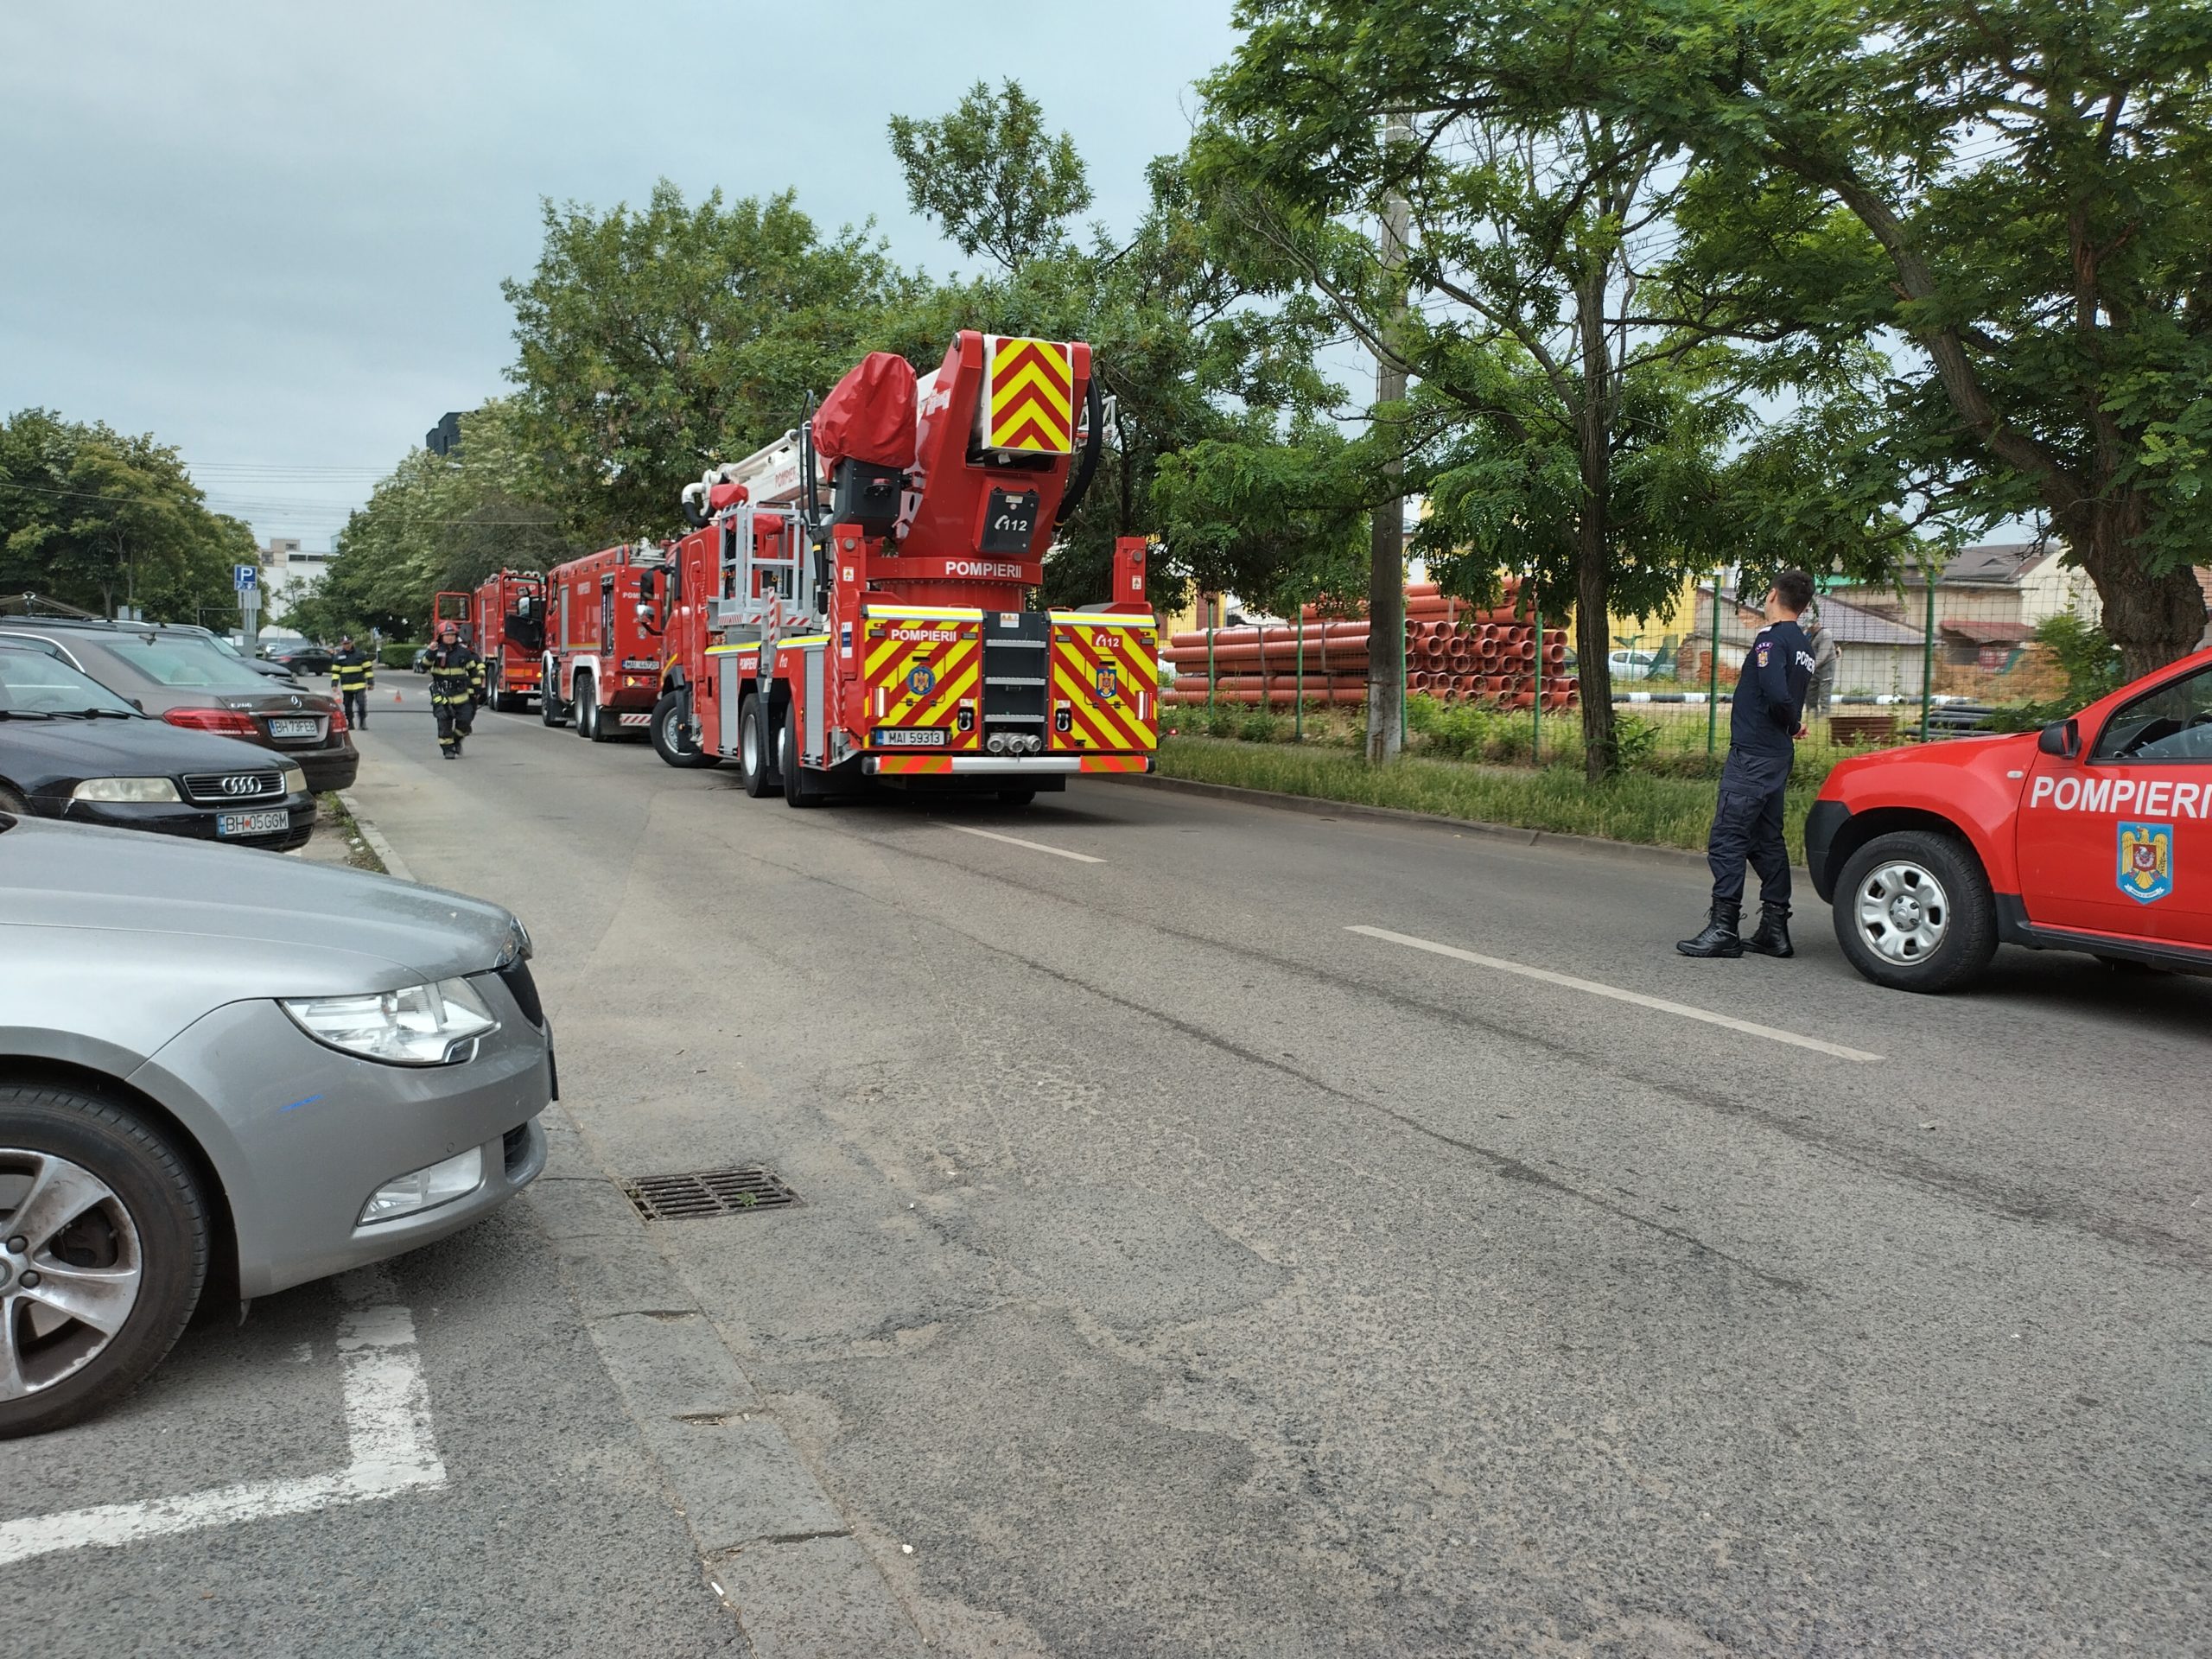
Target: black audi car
(72,749)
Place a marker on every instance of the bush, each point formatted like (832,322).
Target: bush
(1459,731)
(397,655)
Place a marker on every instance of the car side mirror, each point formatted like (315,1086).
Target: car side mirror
(2061,738)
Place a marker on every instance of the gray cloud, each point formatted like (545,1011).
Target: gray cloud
(273,234)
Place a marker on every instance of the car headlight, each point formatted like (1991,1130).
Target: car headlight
(424,1025)
(125,789)
(296,781)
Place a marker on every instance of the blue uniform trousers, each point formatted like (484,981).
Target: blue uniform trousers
(1747,828)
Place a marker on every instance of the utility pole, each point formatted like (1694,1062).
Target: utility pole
(1386,575)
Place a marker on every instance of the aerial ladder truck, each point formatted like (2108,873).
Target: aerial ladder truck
(849,603)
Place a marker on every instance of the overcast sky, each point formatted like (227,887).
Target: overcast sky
(273,234)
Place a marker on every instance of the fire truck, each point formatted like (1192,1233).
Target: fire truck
(457,608)
(602,662)
(849,602)
(510,635)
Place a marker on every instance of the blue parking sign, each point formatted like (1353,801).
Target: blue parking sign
(246,575)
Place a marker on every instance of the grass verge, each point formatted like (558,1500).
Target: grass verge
(333,818)
(1653,811)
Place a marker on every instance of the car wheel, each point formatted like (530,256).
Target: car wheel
(103,1251)
(754,752)
(799,789)
(672,734)
(1913,911)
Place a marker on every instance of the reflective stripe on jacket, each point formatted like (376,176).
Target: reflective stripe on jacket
(456,672)
(352,670)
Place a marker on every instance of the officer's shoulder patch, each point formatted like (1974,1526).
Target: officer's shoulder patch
(1766,651)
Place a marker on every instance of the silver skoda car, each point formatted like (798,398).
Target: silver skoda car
(230,1071)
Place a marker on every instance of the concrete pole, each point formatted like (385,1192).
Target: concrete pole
(1386,577)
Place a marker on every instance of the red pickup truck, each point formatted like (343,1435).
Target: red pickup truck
(2094,834)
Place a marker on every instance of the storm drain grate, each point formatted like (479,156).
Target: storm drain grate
(707,1193)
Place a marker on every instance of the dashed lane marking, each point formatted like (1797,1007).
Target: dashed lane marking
(1593,988)
(1034,846)
(391,1448)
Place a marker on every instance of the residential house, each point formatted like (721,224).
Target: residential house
(1879,655)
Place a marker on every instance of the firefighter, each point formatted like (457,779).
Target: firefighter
(352,677)
(456,675)
(1762,729)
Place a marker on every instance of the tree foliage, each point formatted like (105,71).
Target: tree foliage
(100,519)
(654,340)
(991,175)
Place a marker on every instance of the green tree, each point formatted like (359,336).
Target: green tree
(2013,191)
(655,341)
(991,175)
(103,520)
(1202,383)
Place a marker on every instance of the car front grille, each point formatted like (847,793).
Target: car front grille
(226,788)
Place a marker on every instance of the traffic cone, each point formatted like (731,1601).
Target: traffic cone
(395,697)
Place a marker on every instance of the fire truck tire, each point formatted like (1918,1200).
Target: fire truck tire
(1016,796)
(672,734)
(756,751)
(1913,911)
(799,789)
(549,705)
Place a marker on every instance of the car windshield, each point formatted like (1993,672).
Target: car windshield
(36,686)
(184,664)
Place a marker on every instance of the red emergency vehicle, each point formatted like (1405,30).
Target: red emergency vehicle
(458,609)
(851,603)
(601,665)
(509,636)
(2094,834)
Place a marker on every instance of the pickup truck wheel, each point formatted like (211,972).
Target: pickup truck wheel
(104,1249)
(1913,911)
(799,789)
(756,751)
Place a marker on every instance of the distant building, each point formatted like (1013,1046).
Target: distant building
(288,572)
(444,438)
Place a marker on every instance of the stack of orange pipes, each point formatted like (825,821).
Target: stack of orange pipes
(1454,652)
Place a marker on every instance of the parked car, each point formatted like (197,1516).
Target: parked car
(231,1073)
(422,662)
(301,658)
(1630,664)
(260,665)
(2078,837)
(177,675)
(70,749)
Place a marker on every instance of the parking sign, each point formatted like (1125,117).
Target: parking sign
(246,575)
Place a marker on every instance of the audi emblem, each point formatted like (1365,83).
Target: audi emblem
(241,783)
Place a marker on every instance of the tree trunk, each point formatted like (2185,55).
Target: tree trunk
(2152,619)
(1593,568)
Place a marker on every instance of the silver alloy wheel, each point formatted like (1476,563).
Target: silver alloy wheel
(70,1268)
(1903,913)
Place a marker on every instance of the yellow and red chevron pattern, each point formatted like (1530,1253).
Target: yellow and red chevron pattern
(917,669)
(1028,395)
(1106,677)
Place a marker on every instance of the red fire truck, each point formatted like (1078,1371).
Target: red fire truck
(457,608)
(850,602)
(602,662)
(510,635)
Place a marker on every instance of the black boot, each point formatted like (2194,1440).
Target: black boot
(1772,939)
(1719,938)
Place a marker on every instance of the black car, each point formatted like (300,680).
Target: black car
(178,674)
(301,658)
(72,749)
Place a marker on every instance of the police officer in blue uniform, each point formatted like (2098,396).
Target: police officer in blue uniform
(1768,719)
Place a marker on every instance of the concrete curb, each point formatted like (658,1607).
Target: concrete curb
(1673,858)
(392,862)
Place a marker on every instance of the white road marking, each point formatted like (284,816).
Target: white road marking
(387,1433)
(1750,1029)
(1034,846)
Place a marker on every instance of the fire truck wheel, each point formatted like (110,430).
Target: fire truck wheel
(1016,796)
(799,789)
(672,734)
(755,752)
(548,704)
(1913,911)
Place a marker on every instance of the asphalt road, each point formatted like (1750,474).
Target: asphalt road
(1179,1271)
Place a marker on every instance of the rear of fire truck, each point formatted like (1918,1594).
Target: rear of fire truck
(510,610)
(851,603)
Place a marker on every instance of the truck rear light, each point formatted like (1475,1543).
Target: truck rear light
(224,722)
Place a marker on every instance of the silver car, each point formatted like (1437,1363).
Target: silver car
(230,1069)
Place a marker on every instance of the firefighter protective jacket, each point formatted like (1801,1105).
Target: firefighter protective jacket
(456,673)
(352,670)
